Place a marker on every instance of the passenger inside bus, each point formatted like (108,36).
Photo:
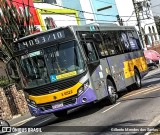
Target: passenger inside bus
(42,69)
(125,42)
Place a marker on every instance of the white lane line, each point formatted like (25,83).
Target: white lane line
(23,121)
(148,133)
(111,107)
(18,133)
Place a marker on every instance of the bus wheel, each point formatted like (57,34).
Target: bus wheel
(112,93)
(60,113)
(137,84)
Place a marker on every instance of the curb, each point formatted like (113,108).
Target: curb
(22,122)
(17,119)
(16,116)
(153,72)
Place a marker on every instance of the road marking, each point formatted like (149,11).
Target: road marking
(23,121)
(150,91)
(18,133)
(111,107)
(148,133)
(139,92)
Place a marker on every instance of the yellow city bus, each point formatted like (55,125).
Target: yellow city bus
(71,66)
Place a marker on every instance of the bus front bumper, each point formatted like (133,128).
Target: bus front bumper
(71,102)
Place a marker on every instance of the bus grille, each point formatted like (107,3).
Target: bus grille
(53,87)
(65,102)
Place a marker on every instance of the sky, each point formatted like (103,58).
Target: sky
(155,6)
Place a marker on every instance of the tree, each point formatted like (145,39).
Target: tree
(14,24)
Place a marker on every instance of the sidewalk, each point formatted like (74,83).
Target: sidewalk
(153,72)
(19,120)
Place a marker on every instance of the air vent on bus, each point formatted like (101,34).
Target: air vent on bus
(53,87)
(48,106)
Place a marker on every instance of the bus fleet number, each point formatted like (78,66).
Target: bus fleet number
(67,93)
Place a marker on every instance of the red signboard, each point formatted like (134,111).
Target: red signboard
(27,5)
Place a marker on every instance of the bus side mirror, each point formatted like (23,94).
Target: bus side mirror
(12,70)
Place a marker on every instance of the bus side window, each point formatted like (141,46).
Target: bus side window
(100,45)
(116,40)
(134,40)
(90,51)
(125,42)
(109,43)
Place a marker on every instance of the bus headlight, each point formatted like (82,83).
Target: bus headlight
(32,102)
(83,87)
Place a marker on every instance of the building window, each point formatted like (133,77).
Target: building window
(143,31)
(150,34)
(154,33)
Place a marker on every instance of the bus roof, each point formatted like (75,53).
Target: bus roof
(102,27)
(87,27)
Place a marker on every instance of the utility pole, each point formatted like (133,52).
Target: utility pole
(137,11)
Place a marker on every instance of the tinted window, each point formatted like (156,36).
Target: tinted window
(90,51)
(109,43)
(134,40)
(125,42)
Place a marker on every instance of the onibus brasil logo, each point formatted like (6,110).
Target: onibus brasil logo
(4,127)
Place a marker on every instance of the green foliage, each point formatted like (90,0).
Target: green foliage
(3,81)
(14,24)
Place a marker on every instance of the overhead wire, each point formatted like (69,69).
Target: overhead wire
(94,13)
(78,18)
(105,2)
(155,6)
(60,13)
(156,12)
(79,10)
(130,16)
(85,11)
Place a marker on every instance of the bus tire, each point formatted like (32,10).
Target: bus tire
(112,92)
(60,113)
(137,77)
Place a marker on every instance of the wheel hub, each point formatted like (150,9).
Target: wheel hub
(137,79)
(112,92)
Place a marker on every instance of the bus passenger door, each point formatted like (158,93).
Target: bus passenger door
(96,75)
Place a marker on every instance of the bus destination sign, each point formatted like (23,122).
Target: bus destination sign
(40,39)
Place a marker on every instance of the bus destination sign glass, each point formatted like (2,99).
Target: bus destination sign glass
(38,40)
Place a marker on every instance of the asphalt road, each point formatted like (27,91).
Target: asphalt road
(135,109)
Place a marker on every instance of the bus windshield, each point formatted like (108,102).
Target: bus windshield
(52,64)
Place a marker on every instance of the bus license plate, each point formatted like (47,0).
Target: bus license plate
(57,106)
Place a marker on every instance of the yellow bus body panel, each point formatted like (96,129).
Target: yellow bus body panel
(62,94)
(129,65)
